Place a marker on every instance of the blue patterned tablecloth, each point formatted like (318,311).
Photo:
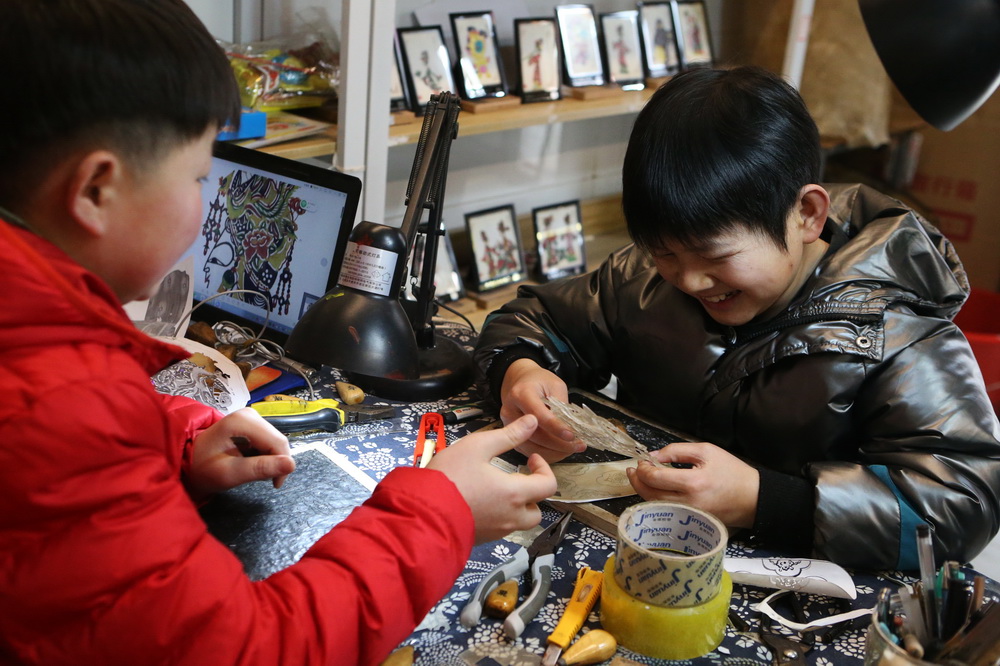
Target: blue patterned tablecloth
(269,531)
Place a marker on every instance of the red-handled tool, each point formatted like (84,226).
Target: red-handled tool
(430,423)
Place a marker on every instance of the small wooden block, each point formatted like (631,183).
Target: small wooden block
(654,83)
(490,104)
(596,92)
(491,300)
(402,117)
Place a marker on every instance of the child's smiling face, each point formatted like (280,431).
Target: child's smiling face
(739,276)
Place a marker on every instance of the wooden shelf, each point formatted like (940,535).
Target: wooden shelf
(528,115)
(470,124)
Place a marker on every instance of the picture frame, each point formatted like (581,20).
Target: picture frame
(559,238)
(659,39)
(580,45)
(480,65)
(539,59)
(623,49)
(497,256)
(426,64)
(694,43)
(448,283)
(399,97)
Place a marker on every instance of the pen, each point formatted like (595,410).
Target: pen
(463,413)
(925,557)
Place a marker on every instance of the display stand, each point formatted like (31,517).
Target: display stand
(585,93)
(654,82)
(491,300)
(402,118)
(488,104)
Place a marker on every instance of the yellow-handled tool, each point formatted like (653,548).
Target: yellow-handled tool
(294,415)
(585,593)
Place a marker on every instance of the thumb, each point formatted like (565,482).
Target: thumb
(260,468)
(511,435)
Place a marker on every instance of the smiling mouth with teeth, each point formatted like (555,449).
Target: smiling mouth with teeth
(720,297)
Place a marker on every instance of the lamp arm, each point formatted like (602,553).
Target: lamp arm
(426,191)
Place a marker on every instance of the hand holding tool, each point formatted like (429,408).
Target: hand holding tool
(433,423)
(540,556)
(297,415)
(585,593)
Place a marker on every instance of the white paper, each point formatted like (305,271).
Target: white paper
(224,388)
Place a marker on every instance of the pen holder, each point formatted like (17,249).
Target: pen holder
(883,648)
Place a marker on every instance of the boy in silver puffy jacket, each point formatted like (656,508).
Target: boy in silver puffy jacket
(801,335)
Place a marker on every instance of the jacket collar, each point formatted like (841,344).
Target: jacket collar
(51,300)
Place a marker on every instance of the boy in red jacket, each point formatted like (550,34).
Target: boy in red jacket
(111,108)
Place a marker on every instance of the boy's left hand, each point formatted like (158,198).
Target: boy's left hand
(718,482)
(217,463)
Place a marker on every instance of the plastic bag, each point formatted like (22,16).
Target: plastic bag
(286,73)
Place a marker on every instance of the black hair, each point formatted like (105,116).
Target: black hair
(714,149)
(136,76)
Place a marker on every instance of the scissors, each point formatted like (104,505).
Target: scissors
(539,556)
(431,423)
(786,652)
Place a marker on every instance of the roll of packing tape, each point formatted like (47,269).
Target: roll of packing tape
(669,554)
(661,632)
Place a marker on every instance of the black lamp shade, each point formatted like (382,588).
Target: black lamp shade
(356,332)
(943,55)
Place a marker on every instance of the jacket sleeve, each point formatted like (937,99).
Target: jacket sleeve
(929,451)
(566,325)
(115,565)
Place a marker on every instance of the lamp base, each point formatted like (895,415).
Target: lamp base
(444,370)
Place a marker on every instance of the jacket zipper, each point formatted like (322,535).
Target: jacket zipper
(744,335)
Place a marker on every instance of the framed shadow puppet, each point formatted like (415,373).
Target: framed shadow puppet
(478,50)
(539,59)
(659,40)
(581,47)
(497,257)
(559,235)
(426,64)
(448,284)
(399,98)
(623,49)
(693,41)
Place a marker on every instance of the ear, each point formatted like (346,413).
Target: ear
(93,188)
(813,206)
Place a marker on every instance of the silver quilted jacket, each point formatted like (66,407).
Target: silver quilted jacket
(863,386)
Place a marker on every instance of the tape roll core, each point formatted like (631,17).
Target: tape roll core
(669,554)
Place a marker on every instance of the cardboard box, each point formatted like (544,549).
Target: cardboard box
(958,179)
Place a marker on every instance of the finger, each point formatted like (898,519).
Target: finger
(646,490)
(680,452)
(553,450)
(547,421)
(501,440)
(260,468)
(541,483)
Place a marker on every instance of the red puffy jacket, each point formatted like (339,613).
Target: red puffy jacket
(104,558)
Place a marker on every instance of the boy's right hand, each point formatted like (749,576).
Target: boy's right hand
(525,387)
(501,503)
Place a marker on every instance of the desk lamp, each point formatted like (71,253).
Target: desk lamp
(943,55)
(360,326)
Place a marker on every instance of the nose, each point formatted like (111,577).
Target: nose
(690,279)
